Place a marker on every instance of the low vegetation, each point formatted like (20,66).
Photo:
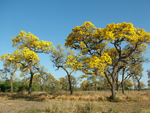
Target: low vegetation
(81,101)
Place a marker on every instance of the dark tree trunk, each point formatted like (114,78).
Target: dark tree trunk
(70,88)
(117,84)
(117,87)
(123,88)
(30,84)
(139,88)
(11,85)
(122,84)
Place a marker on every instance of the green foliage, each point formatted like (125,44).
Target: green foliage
(113,99)
(5,86)
(17,87)
(23,88)
(36,88)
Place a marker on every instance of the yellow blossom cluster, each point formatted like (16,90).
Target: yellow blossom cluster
(29,55)
(97,63)
(32,42)
(73,62)
(92,37)
(128,83)
(9,59)
(25,55)
(127,32)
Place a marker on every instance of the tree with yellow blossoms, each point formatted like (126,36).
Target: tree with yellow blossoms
(128,84)
(27,46)
(106,48)
(9,68)
(67,61)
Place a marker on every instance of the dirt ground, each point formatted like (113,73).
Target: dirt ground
(13,106)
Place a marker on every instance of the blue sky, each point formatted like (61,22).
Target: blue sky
(53,20)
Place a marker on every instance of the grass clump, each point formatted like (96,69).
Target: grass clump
(111,99)
(88,108)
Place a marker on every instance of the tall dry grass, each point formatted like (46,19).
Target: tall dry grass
(84,101)
(79,96)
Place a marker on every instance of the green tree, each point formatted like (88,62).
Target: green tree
(45,79)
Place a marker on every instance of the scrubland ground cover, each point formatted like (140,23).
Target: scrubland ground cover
(79,102)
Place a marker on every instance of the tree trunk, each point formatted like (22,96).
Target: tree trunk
(70,88)
(30,84)
(139,88)
(113,83)
(122,84)
(117,87)
(11,86)
(117,84)
(113,91)
(122,88)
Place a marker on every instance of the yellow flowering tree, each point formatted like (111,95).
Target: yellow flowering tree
(122,38)
(67,61)
(10,67)
(128,83)
(27,46)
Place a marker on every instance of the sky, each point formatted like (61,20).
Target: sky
(53,20)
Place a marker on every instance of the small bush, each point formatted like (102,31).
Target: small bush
(111,99)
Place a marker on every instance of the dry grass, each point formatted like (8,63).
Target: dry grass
(79,96)
(67,106)
(83,101)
